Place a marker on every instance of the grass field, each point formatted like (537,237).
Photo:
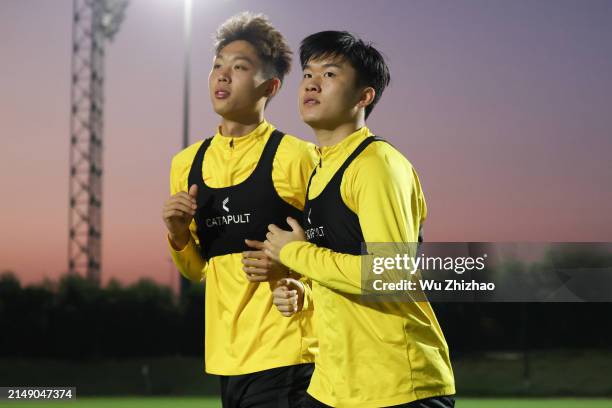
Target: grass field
(214,403)
(553,374)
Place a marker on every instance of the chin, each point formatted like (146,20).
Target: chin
(309,118)
(309,121)
(313,121)
(220,109)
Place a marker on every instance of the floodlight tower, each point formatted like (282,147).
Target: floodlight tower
(94,22)
(187,10)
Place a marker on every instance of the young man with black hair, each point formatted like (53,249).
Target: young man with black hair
(225,190)
(372,353)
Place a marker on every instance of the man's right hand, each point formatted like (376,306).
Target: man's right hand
(177,214)
(288,296)
(258,267)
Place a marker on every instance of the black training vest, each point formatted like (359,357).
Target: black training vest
(328,222)
(226,216)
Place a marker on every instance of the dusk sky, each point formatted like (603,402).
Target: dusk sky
(503,107)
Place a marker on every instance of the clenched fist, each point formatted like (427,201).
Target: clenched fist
(177,214)
(288,296)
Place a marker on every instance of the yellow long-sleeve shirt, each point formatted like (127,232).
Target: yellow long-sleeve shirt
(372,354)
(244,331)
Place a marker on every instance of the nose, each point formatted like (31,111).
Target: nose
(312,85)
(223,76)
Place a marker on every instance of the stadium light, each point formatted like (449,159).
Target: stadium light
(184,283)
(187,35)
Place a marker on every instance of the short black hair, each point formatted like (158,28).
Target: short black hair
(256,29)
(372,70)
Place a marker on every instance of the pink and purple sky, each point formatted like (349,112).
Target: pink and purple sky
(504,108)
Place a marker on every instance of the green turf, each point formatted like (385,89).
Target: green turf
(135,402)
(552,373)
(214,403)
(534,403)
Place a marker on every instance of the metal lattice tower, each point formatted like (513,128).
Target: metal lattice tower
(94,21)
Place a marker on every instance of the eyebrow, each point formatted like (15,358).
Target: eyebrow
(238,57)
(330,65)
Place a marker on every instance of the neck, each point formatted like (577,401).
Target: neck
(330,137)
(240,127)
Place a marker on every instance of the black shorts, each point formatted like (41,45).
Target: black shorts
(282,387)
(434,402)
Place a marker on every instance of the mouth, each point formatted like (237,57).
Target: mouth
(221,94)
(308,101)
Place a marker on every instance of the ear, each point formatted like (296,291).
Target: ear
(272,87)
(367,97)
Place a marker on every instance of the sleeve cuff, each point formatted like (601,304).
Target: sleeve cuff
(308,304)
(174,250)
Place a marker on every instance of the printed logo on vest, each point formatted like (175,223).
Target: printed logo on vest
(227,219)
(316,232)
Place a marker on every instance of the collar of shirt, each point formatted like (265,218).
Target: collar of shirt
(341,150)
(242,142)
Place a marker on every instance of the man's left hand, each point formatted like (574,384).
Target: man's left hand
(277,238)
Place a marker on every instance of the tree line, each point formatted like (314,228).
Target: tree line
(76,319)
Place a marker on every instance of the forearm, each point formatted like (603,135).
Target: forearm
(188,260)
(334,270)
